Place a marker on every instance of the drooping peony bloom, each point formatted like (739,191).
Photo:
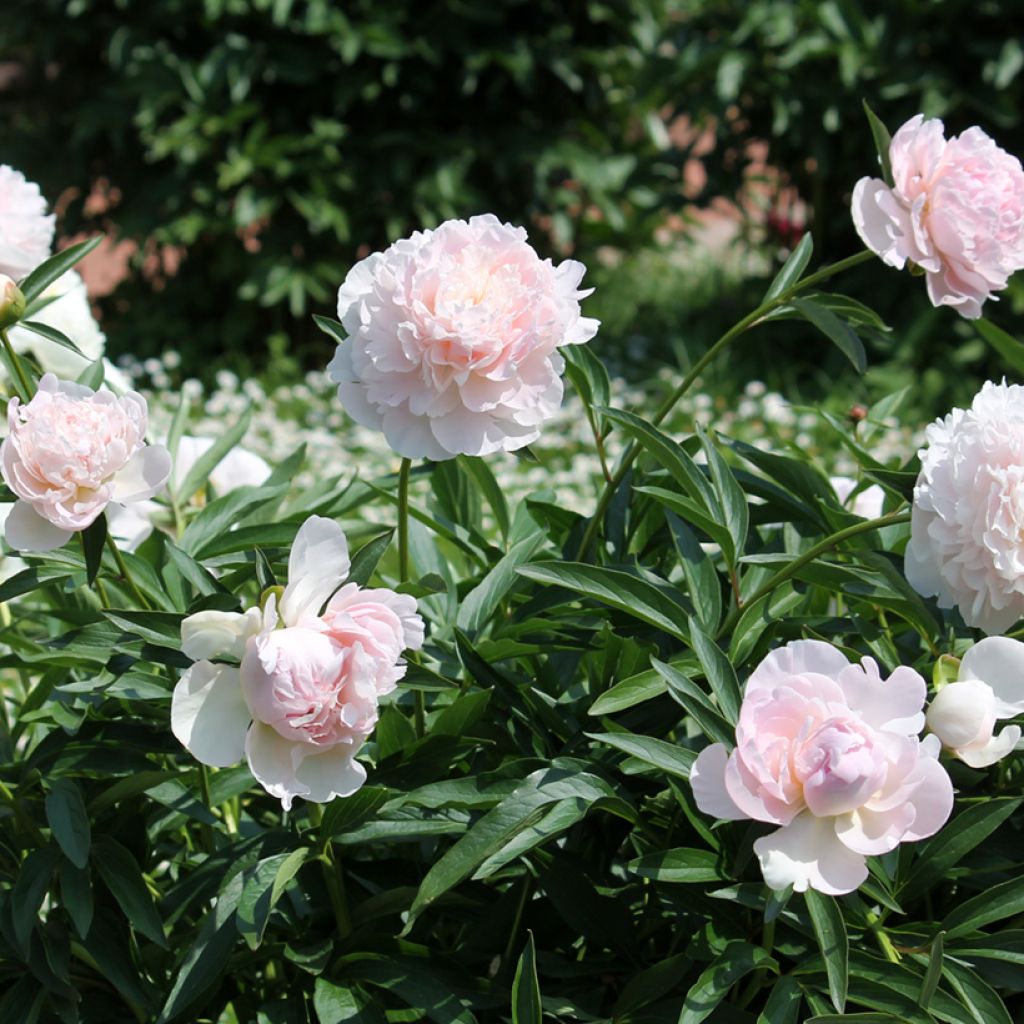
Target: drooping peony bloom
(956,210)
(67,310)
(68,453)
(305,695)
(990,686)
(967,531)
(453,338)
(829,751)
(26,230)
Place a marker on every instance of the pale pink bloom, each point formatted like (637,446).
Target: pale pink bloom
(68,453)
(867,504)
(967,528)
(26,229)
(829,751)
(453,338)
(239,468)
(956,210)
(990,687)
(312,671)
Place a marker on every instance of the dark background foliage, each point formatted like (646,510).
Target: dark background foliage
(274,143)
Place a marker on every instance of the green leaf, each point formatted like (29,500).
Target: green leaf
(783,1006)
(650,984)
(629,692)
(869,1017)
(478,606)
(69,821)
(33,880)
(206,958)
(971,827)
(719,673)
(667,757)
(201,469)
(679,865)
(76,896)
(32,578)
(697,704)
(736,960)
(627,593)
(93,375)
(51,334)
(516,813)
(364,561)
(332,328)
(933,975)
(264,886)
(840,333)
(830,931)
(218,517)
(882,142)
(1005,344)
(702,582)
(731,499)
(792,269)
(122,876)
(94,538)
(487,484)
(526,1005)
(978,997)
(337,1005)
(994,904)
(56,266)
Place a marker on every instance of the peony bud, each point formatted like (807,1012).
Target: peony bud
(963,713)
(12,302)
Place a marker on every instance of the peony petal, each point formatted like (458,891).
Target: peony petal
(878,221)
(894,704)
(999,662)
(994,750)
(797,658)
(26,530)
(208,713)
(806,854)
(707,777)
(932,799)
(288,770)
(143,475)
(317,566)
(874,832)
(209,633)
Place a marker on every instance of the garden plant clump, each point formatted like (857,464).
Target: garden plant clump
(465,682)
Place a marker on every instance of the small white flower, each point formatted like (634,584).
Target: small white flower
(990,687)
(26,230)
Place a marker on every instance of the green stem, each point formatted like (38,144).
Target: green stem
(334,879)
(122,568)
(882,938)
(403,520)
(750,320)
(19,370)
(204,789)
(808,556)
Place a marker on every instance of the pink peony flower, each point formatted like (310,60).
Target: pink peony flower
(26,230)
(967,529)
(829,751)
(305,696)
(956,210)
(68,453)
(990,687)
(453,339)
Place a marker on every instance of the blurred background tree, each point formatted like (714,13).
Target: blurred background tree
(254,149)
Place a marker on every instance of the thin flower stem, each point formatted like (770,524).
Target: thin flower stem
(750,320)
(403,520)
(122,568)
(808,556)
(334,878)
(882,938)
(19,370)
(204,789)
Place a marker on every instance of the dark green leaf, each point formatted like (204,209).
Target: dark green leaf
(94,538)
(526,1006)
(882,142)
(835,330)
(67,817)
(56,266)
(792,269)
(121,875)
(737,960)
(830,931)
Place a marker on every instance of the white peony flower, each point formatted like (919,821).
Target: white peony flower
(453,339)
(305,695)
(868,504)
(990,686)
(69,452)
(967,531)
(26,229)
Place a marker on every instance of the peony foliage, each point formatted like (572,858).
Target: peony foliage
(726,743)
